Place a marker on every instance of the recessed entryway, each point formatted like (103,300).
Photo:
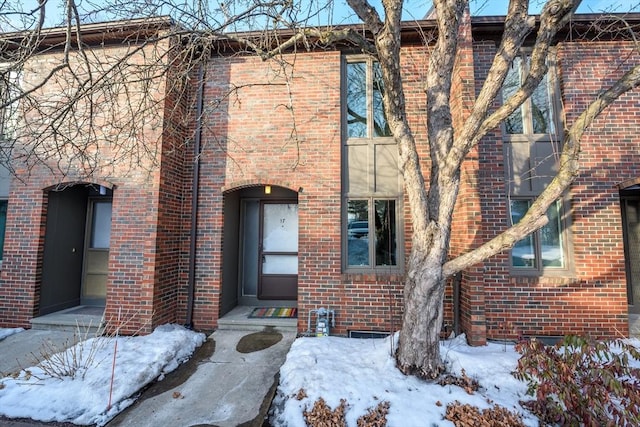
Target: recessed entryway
(260,252)
(76,247)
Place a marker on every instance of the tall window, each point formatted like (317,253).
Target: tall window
(8,90)
(372,187)
(531,161)
(3,224)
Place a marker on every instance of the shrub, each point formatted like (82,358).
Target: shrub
(581,382)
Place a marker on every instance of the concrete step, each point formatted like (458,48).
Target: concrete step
(86,321)
(238,320)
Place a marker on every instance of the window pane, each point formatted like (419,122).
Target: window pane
(551,238)
(513,123)
(358,233)
(3,224)
(523,252)
(9,81)
(280,264)
(280,227)
(385,232)
(101,225)
(357,100)
(380,125)
(542,108)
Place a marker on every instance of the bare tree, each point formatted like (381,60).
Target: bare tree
(200,25)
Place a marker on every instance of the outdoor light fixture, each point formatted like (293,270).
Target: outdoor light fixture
(267,189)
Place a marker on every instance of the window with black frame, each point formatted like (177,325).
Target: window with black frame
(532,146)
(372,189)
(8,93)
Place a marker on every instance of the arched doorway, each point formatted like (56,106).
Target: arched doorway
(76,247)
(260,252)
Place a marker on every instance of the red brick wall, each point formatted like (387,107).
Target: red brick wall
(592,299)
(142,261)
(466,230)
(21,268)
(174,209)
(279,123)
(252,138)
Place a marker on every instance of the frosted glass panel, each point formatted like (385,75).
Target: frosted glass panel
(280,264)
(280,233)
(250,247)
(101,225)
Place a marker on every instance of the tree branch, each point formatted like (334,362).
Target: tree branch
(535,217)
(554,17)
(368,14)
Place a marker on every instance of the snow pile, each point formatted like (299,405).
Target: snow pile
(84,399)
(9,331)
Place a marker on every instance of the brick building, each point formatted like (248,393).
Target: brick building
(282,188)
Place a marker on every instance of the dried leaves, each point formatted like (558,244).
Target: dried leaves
(465,415)
(468,384)
(375,417)
(321,415)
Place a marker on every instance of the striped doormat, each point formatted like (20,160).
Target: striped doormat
(274,312)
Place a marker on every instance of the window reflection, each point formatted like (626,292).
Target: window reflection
(364,101)
(536,114)
(361,243)
(523,253)
(358,233)
(543,248)
(513,123)
(385,232)
(357,100)
(380,124)
(542,108)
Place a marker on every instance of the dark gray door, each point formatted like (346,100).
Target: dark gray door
(278,251)
(63,249)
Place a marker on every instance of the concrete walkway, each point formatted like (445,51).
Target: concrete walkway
(229,381)
(21,350)
(221,387)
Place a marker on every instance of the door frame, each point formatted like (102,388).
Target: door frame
(90,300)
(626,196)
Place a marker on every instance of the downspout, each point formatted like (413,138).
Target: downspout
(195,187)
(457,281)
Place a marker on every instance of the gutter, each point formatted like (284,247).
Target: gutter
(195,187)
(457,281)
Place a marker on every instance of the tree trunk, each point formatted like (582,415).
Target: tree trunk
(419,349)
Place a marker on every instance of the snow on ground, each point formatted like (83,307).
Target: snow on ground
(362,371)
(9,331)
(85,399)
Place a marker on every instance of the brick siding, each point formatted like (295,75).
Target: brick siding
(278,123)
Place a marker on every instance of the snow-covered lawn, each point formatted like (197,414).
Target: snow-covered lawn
(85,399)
(361,371)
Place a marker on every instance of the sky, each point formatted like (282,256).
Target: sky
(413,9)
(361,371)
